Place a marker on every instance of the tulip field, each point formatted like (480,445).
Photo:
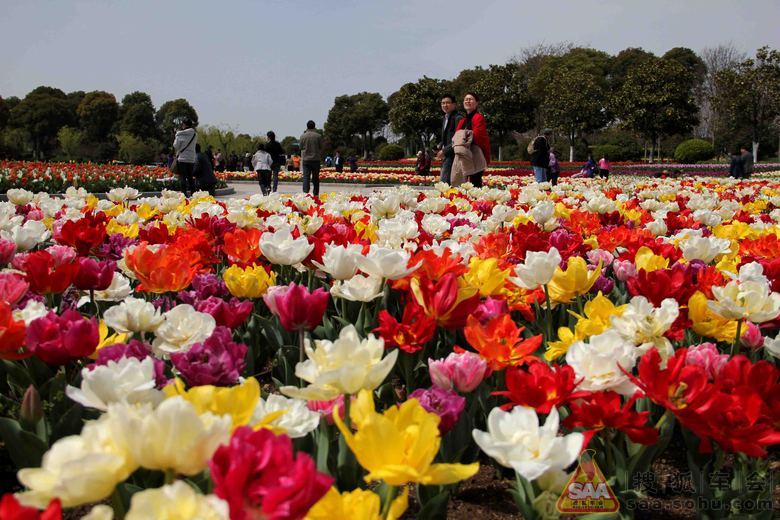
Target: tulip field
(522,351)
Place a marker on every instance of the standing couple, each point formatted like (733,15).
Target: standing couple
(465,145)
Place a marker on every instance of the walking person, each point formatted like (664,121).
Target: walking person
(604,167)
(475,122)
(204,172)
(262,164)
(277,155)
(184,155)
(338,162)
(737,166)
(352,160)
(311,147)
(446,153)
(539,150)
(747,163)
(554,169)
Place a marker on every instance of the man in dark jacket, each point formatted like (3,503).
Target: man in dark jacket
(540,155)
(446,153)
(747,163)
(311,149)
(277,154)
(204,172)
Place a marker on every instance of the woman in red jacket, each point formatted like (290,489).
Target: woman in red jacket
(475,122)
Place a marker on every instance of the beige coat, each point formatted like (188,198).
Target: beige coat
(469,158)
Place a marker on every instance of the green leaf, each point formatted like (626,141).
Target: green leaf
(69,424)
(434,507)
(24,448)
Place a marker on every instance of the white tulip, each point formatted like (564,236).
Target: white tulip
(359,288)
(645,325)
(382,262)
(598,363)
(538,268)
(133,315)
(128,380)
(32,311)
(750,300)
(340,262)
(177,501)
(516,440)
(27,235)
(281,248)
(296,420)
(182,327)
(19,196)
(704,248)
(344,366)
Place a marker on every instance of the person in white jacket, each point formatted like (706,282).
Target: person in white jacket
(184,151)
(262,163)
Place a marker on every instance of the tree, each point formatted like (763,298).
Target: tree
(5,113)
(415,111)
(750,93)
(70,140)
(656,99)
(715,60)
(690,60)
(136,115)
(42,113)
(573,97)
(98,113)
(169,111)
(625,61)
(134,150)
(360,115)
(291,145)
(505,101)
(12,101)
(465,81)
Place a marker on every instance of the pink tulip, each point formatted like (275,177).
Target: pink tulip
(463,371)
(12,287)
(62,254)
(59,339)
(752,337)
(7,251)
(490,308)
(624,269)
(706,356)
(600,255)
(297,308)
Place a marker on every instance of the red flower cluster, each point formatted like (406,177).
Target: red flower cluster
(258,475)
(410,334)
(11,509)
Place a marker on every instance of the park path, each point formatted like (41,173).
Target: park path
(247,189)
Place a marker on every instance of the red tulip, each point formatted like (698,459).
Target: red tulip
(11,509)
(410,334)
(259,476)
(603,410)
(12,287)
(45,275)
(297,308)
(540,386)
(58,339)
(12,334)
(93,274)
(84,234)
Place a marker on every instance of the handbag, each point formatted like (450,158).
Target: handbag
(175,161)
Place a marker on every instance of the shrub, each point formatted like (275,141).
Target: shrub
(693,150)
(613,151)
(391,152)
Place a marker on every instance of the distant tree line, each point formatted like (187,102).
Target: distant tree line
(634,101)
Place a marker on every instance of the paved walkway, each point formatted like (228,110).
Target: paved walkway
(247,189)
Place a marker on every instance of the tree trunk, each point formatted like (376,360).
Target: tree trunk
(500,153)
(755,151)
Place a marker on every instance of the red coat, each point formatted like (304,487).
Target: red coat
(481,138)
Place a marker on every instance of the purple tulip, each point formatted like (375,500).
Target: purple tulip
(447,404)
(216,361)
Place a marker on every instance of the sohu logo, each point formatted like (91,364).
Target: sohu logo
(587,490)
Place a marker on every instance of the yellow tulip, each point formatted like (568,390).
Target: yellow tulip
(177,501)
(399,445)
(557,349)
(707,323)
(360,504)
(130,231)
(574,281)
(236,401)
(106,340)
(145,211)
(649,261)
(485,276)
(597,318)
(251,282)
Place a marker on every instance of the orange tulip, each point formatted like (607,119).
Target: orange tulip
(500,341)
(161,268)
(242,246)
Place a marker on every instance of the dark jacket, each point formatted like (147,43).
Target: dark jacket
(277,153)
(540,157)
(311,146)
(204,171)
(448,130)
(737,167)
(747,164)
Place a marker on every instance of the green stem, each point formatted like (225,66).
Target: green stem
(118,505)
(347,405)
(388,502)
(549,325)
(735,345)
(170,476)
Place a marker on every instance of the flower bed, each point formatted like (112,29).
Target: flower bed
(362,355)
(52,177)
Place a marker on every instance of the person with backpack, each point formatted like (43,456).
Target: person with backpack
(539,152)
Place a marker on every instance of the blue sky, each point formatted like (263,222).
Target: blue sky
(255,66)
